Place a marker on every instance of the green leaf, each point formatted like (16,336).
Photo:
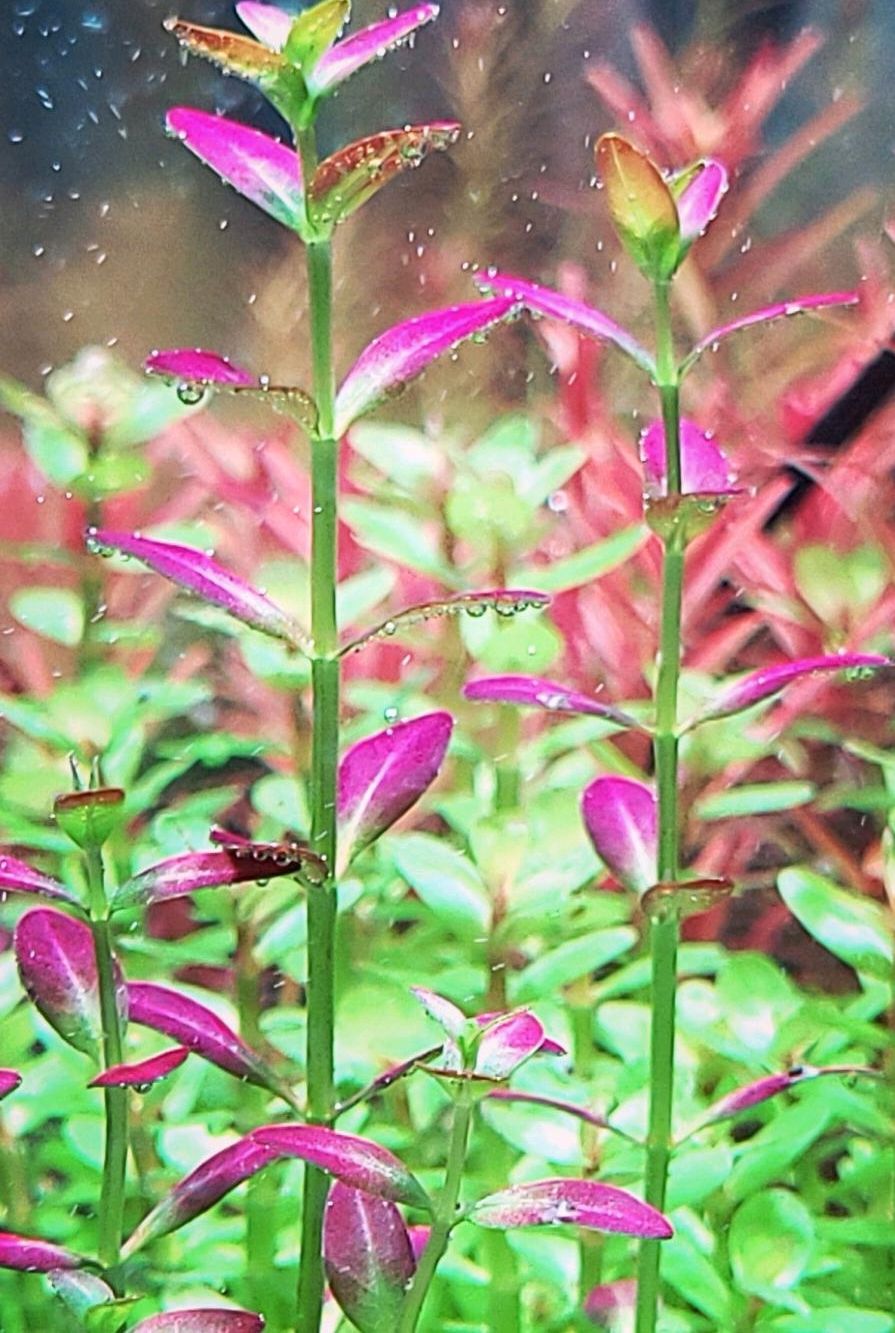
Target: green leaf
(399,536)
(358,595)
(756,999)
(523,643)
(59,449)
(314,32)
(571,960)
(760,798)
(591,563)
(691,1274)
(771,1241)
(832,1319)
(56,613)
(448,883)
(778,1146)
(851,926)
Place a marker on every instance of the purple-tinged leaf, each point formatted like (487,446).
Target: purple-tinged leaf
(287,852)
(507,1042)
(446,1014)
(582,1203)
(357,1162)
(403,351)
(195,1026)
(80,1290)
(368,1256)
(620,816)
(539,300)
(181,875)
(768,681)
(603,1304)
(204,578)
(231,52)
(382,776)
(704,468)
(751,1094)
(193,365)
(10,1079)
(641,206)
(29,1255)
(371,43)
(503,601)
(536,692)
(554,1103)
(18,877)
(201,1321)
(797,306)
(347,179)
(90,817)
(700,198)
(264,171)
(57,964)
(200,1190)
(142,1073)
(269,24)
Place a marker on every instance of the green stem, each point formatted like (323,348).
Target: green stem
(444,1217)
(111,1205)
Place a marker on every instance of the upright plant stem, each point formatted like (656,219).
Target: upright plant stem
(664,932)
(111,1205)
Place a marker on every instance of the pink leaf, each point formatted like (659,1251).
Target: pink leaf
(10,1079)
(768,681)
(264,171)
(553,305)
(193,365)
(507,1043)
(704,466)
(751,1094)
(203,577)
(797,306)
(536,692)
(620,816)
(29,1255)
(18,877)
(201,1321)
(583,1203)
(357,1162)
(368,1255)
(701,198)
(446,1014)
(179,876)
(554,1103)
(371,43)
(57,964)
(266,22)
(143,1073)
(604,1303)
(382,776)
(402,352)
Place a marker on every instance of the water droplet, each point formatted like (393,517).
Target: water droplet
(190,394)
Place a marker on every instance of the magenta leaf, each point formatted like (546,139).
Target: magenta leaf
(194,365)
(704,467)
(507,1042)
(268,23)
(29,1255)
(700,199)
(489,1046)
(199,1190)
(555,1104)
(368,1256)
(181,875)
(371,43)
(142,1073)
(620,816)
(203,577)
(797,306)
(201,1321)
(402,352)
(503,601)
(10,1079)
(535,692)
(382,776)
(603,1303)
(751,1094)
(449,1017)
(18,877)
(768,681)
(357,1162)
(264,171)
(539,300)
(57,965)
(583,1203)
(201,1031)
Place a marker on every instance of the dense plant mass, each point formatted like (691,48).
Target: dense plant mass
(439,800)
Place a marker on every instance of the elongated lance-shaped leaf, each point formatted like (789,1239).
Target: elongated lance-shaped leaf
(768,681)
(752,1094)
(536,692)
(357,1162)
(503,601)
(368,1256)
(192,370)
(268,23)
(10,1079)
(705,186)
(237,54)
(705,470)
(620,816)
(18,877)
(195,1026)
(57,965)
(351,176)
(360,48)
(30,1255)
(181,875)
(582,1203)
(382,776)
(799,305)
(449,1016)
(402,352)
(201,1321)
(313,31)
(554,1103)
(264,171)
(200,1190)
(203,577)
(539,300)
(142,1073)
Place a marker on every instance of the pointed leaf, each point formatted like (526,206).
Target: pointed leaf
(264,171)
(18,877)
(705,469)
(200,1190)
(507,1043)
(700,198)
(382,776)
(641,206)
(402,352)
(536,692)
(554,1103)
(799,305)
(10,1079)
(313,32)
(768,681)
(194,1025)
(57,964)
(231,52)
(29,1255)
(583,1203)
(620,816)
(194,365)
(449,1017)
(142,1073)
(266,22)
(201,1321)
(752,1094)
(503,601)
(371,43)
(553,305)
(347,179)
(357,1162)
(198,574)
(179,876)
(368,1256)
